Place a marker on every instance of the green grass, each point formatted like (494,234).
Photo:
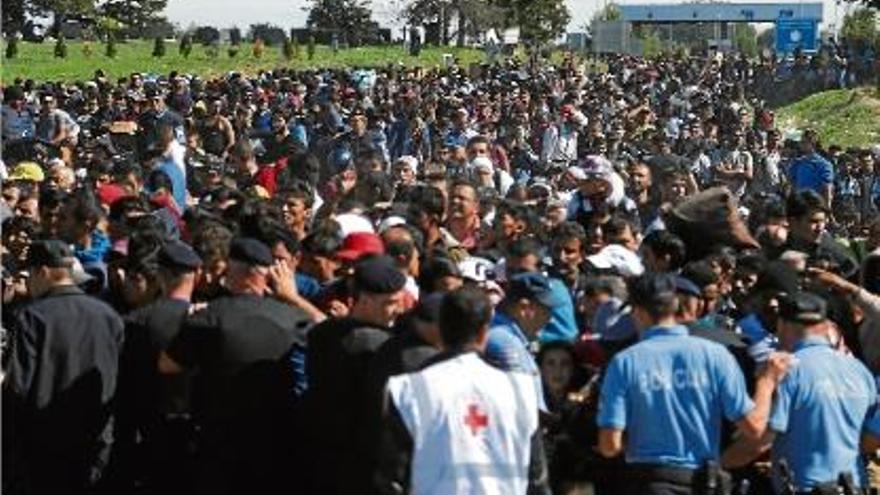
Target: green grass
(36,61)
(843,117)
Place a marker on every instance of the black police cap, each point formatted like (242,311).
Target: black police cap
(378,275)
(652,288)
(250,251)
(51,253)
(803,307)
(180,256)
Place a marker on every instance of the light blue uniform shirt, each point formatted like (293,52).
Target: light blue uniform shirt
(819,412)
(508,349)
(669,392)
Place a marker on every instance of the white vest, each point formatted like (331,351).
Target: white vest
(471,426)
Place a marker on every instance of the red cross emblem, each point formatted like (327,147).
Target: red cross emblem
(475,420)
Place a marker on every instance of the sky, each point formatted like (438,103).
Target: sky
(290,13)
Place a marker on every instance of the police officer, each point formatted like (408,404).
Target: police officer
(461,426)
(249,350)
(525,310)
(669,392)
(820,411)
(62,377)
(340,353)
(156,408)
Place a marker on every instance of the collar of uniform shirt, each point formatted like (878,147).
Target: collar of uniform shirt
(671,331)
(812,341)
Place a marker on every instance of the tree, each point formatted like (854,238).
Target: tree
(186,45)
(352,17)
(14,17)
(134,15)
(610,12)
(58,10)
(860,27)
(159,47)
(538,20)
(873,4)
(745,39)
(270,34)
(206,35)
(235,36)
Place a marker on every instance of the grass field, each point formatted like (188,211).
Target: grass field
(842,117)
(36,61)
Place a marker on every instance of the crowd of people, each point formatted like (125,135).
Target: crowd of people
(515,277)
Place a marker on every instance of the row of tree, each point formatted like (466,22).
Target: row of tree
(538,21)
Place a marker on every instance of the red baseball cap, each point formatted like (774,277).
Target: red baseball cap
(359,244)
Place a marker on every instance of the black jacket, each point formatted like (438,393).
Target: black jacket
(57,394)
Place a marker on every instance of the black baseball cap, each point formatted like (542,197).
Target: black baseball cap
(803,307)
(51,253)
(250,251)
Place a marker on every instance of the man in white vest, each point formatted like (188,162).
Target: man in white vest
(461,426)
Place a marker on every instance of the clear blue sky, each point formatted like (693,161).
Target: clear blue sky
(290,13)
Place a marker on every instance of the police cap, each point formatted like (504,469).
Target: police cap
(653,288)
(802,307)
(179,256)
(687,287)
(535,287)
(250,251)
(51,253)
(378,275)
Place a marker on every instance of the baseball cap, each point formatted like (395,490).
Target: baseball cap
(27,171)
(51,253)
(250,251)
(482,163)
(533,286)
(378,275)
(618,259)
(803,307)
(359,244)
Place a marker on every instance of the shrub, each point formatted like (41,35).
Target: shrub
(186,45)
(60,48)
(111,45)
(232,51)
(12,47)
(287,50)
(310,48)
(259,48)
(88,49)
(159,47)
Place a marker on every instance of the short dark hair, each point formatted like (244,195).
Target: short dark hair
(804,203)
(665,243)
(568,231)
(463,313)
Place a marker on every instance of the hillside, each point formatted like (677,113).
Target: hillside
(846,117)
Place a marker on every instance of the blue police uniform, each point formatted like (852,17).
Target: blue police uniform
(508,349)
(668,392)
(819,412)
